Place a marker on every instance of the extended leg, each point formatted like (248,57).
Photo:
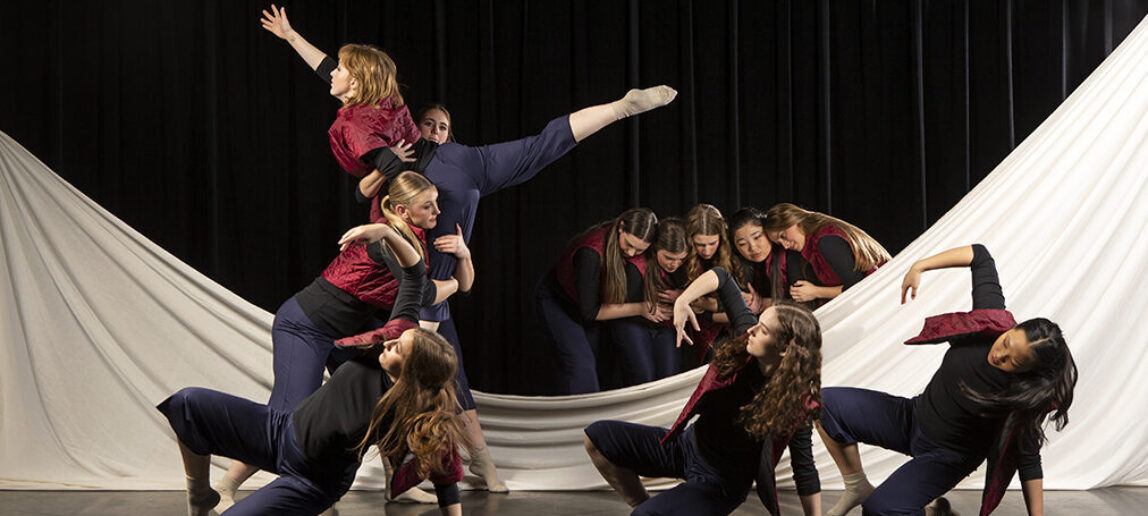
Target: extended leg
(588,121)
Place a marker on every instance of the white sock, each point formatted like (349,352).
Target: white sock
(201,498)
(226,487)
(857,489)
(482,465)
(639,101)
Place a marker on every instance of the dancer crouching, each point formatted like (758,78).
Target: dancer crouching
(758,396)
(989,398)
(400,398)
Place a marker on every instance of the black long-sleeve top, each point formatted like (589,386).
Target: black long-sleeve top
(588,274)
(945,413)
(837,253)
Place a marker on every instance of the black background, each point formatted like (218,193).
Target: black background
(207,133)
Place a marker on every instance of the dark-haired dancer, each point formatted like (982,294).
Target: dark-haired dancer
(816,257)
(997,384)
(758,396)
(647,350)
(590,284)
(399,397)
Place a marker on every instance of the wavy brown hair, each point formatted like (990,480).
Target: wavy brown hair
(375,73)
(404,190)
(422,407)
(868,253)
(671,238)
(705,219)
(779,407)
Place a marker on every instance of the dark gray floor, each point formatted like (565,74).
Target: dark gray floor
(1100,502)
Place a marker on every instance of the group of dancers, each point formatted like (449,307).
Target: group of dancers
(400,385)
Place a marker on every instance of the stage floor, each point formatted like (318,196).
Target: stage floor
(1100,502)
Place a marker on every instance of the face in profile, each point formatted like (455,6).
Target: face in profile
(423,212)
(395,352)
(342,84)
(762,342)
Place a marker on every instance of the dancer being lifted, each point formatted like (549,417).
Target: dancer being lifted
(463,175)
(996,385)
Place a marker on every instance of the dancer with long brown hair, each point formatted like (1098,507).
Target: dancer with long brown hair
(758,397)
(816,257)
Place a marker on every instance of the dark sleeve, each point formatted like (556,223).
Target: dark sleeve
(740,318)
(325,68)
(426,290)
(1028,463)
(407,302)
(447,494)
(635,290)
(987,291)
(384,160)
(839,255)
(359,197)
(588,278)
(801,459)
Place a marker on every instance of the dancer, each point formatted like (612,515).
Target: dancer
(758,396)
(647,350)
(746,231)
(373,131)
(710,247)
(590,284)
(434,123)
(815,257)
(996,385)
(399,397)
(465,174)
(358,284)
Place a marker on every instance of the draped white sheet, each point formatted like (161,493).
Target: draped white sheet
(98,324)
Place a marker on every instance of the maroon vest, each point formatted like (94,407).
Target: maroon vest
(596,240)
(360,129)
(985,324)
(812,254)
(357,274)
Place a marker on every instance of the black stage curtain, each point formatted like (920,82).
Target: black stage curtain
(208,134)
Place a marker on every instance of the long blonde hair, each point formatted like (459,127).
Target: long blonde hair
(422,406)
(404,190)
(705,219)
(375,73)
(780,406)
(868,253)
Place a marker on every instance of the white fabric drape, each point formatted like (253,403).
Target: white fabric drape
(98,324)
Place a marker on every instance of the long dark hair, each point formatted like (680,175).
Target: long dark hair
(671,238)
(741,269)
(1043,390)
(780,406)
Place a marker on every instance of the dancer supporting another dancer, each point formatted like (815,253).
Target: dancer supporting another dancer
(465,174)
(815,257)
(758,396)
(358,284)
(434,123)
(399,397)
(996,385)
(589,284)
(646,349)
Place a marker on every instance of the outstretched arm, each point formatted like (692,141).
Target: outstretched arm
(276,23)
(956,257)
(404,251)
(987,292)
(1033,496)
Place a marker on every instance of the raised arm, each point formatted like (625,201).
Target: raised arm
(713,280)
(987,292)
(276,23)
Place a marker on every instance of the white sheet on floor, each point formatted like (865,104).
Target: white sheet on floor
(98,324)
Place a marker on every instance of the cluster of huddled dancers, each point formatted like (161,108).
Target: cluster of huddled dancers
(647,286)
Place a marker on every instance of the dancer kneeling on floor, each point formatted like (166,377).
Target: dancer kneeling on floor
(989,398)
(399,395)
(758,396)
